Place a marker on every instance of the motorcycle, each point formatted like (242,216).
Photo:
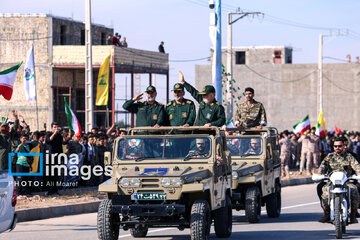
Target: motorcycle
(339,199)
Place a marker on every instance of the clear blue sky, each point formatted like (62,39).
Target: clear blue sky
(183,25)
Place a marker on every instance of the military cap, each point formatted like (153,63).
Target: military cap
(207,89)
(150,89)
(178,87)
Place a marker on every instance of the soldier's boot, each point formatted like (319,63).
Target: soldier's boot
(353,216)
(308,172)
(326,217)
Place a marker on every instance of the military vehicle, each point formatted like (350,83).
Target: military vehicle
(255,155)
(168,177)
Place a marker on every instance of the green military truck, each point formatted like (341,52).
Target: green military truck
(168,177)
(255,155)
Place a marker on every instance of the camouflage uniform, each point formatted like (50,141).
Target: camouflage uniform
(304,140)
(285,144)
(340,163)
(313,153)
(293,153)
(250,116)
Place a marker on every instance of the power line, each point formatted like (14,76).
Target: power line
(337,59)
(339,87)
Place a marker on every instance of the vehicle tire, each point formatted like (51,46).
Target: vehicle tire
(200,220)
(139,231)
(273,203)
(253,204)
(337,217)
(107,222)
(223,220)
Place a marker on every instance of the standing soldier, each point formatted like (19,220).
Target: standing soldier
(180,111)
(149,113)
(285,144)
(304,159)
(294,153)
(250,113)
(313,149)
(211,112)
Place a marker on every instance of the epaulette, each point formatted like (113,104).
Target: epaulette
(188,101)
(160,104)
(168,104)
(218,103)
(140,101)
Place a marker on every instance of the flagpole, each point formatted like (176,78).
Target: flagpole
(36,101)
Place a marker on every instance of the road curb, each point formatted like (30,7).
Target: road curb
(295,181)
(58,211)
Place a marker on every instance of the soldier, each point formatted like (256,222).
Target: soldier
(149,113)
(314,147)
(180,111)
(285,144)
(255,147)
(202,148)
(250,113)
(339,161)
(211,112)
(304,140)
(294,151)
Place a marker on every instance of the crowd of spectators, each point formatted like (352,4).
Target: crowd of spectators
(117,41)
(304,152)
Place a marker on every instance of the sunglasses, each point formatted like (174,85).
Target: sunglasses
(337,146)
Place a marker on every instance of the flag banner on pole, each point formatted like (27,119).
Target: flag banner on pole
(7,79)
(29,76)
(102,88)
(302,125)
(73,123)
(320,126)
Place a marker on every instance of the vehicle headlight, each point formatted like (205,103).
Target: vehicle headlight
(338,182)
(165,182)
(235,175)
(176,182)
(124,182)
(135,182)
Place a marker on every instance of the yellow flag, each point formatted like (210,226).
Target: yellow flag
(321,119)
(35,164)
(102,90)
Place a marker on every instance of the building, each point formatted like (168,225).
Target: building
(59,53)
(289,92)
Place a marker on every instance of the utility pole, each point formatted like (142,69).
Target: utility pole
(229,97)
(89,114)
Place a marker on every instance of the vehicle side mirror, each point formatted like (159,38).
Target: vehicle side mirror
(107,158)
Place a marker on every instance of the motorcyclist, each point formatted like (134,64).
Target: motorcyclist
(339,161)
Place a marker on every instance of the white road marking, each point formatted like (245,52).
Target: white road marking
(289,207)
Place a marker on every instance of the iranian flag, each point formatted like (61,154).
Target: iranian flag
(7,79)
(73,123)
(302,126)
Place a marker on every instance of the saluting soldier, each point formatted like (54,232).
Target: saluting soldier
(211,112)
(180,111)
(149,113)
(250,113)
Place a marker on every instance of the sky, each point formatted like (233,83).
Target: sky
(183,25)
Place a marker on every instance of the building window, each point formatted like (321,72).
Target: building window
(62,35)
(240,58)
(277,57)
(82,37)
(103,38)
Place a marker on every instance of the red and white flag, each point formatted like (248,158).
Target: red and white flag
(7,79)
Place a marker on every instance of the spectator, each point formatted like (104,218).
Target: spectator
(114,40)
(6,137)
(161,47)
(124,43)
(109,40)
(23,165)
(119,41)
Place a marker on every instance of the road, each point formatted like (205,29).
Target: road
(298,220)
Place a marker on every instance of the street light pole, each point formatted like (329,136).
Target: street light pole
(89,115)
(320,72)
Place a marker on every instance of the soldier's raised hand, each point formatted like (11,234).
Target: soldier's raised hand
(181,77)
(138,97)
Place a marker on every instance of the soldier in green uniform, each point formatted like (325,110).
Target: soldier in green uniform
(149,113)
(339,161)
(180,111)
(211,112)
(250,113)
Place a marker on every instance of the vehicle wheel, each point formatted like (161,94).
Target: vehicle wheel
(107,222)
(253,204)
(200,220)
(343,229)
(337,218)
(223,220)
(139,231)
(273,203)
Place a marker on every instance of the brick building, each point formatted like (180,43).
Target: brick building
(59,53)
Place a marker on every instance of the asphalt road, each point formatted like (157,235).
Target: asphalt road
(298,220)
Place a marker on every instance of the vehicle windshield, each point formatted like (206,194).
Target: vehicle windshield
(245,146)
(138,148)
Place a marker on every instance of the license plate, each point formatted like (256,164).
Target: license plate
(149,196)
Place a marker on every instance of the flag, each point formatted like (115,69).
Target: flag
(337,130)
(302,125)
(320,125)
(29,76)
(73,123)
(229,123)
(7,79)
(35,163)
(102,89)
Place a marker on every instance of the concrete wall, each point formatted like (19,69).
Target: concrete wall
(289,92)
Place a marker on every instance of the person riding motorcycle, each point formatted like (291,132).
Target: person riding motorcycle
(339,161)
